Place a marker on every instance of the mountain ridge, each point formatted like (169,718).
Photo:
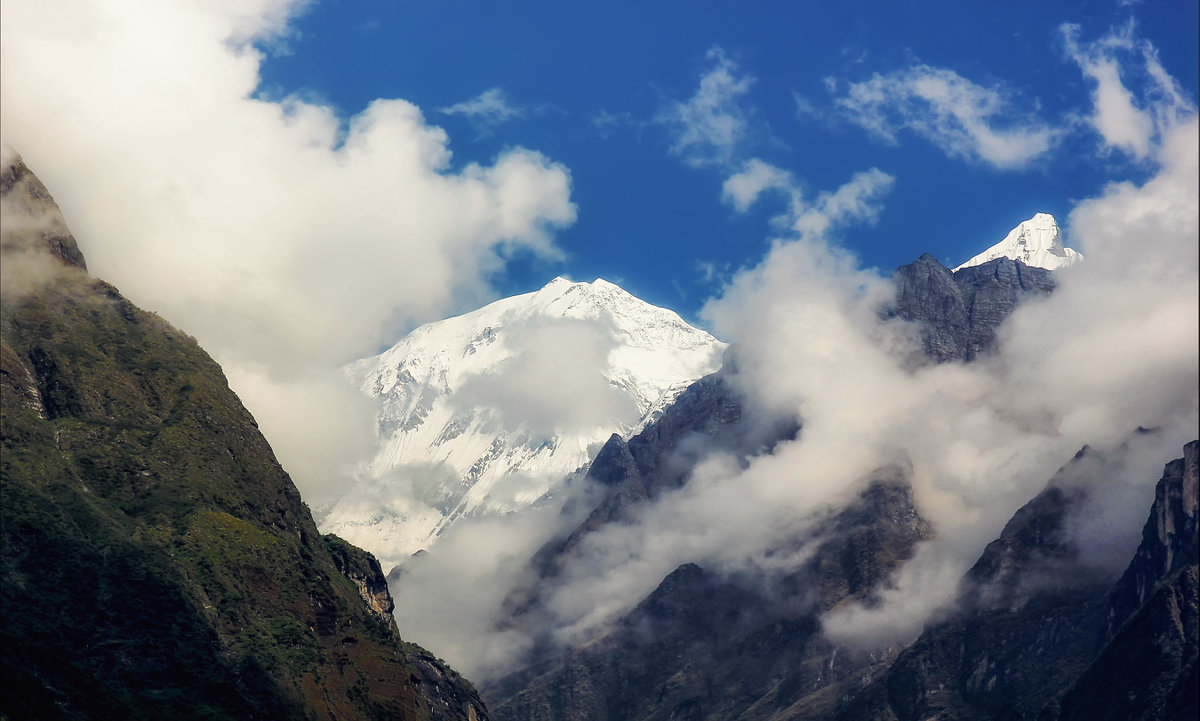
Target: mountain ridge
(157,561)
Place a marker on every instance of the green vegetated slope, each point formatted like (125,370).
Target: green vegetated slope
(157,562)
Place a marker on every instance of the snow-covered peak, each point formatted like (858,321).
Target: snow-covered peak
(490,411)
(1037,242)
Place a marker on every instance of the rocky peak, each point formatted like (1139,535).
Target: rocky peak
(958,312)
(33,222)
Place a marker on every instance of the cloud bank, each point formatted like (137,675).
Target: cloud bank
(286,239)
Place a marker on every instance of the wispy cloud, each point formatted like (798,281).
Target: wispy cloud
(708,128)
(962,118)
(1122,120)
(486,111)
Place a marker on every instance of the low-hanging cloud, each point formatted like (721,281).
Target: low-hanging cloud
(287,240)
(1112,349)
(556,382)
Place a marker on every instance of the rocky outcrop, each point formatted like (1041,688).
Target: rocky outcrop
(1031,637)
(705,418)
(364,570)
(1148,669)
(1026,622)
(1169,539)
(958,312)
(33,221)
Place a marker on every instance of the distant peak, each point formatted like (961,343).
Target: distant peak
(1036,242)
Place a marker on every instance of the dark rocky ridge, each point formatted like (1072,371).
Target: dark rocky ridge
(959,312)
(1031,621)
(157,562)
(706,645)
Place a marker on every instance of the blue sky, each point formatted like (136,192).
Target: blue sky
(596,89)
(299,184)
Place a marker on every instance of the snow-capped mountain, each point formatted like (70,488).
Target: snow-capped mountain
(1037,242)
(490,411)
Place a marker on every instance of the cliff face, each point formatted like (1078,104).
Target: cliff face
(1034,636)
(710,645)
(959,312)
(1148,669)
(157,561)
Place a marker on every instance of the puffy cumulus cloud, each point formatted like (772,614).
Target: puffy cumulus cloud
(556,381)
(486,111)
(709,127)
(284,239)
(964,119)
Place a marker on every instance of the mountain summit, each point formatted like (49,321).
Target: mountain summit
(1037,243)
(490,411)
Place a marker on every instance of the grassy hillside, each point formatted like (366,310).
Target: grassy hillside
(157,562)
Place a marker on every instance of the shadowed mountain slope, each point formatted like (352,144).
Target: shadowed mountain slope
(157,562)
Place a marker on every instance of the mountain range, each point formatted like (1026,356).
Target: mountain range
(1033,630)
(157,561)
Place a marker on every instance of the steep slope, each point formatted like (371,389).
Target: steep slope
(1036,635)
(709,645)
(1026,622)
(488,412)
(1036,242)
(157,562)
(959,311)
(1148,668)
(1030,618)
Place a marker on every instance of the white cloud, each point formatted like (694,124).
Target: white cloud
(285,241)
(962,118)
(556,381)
(1117,115)
(756,177)
(710,126)
(1114,348)
(486,111)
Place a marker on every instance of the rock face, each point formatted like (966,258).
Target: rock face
(706,645)
(157,561)
(959,311)
(1033,632)
(707,417)
(1027,622)
(1148,669)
